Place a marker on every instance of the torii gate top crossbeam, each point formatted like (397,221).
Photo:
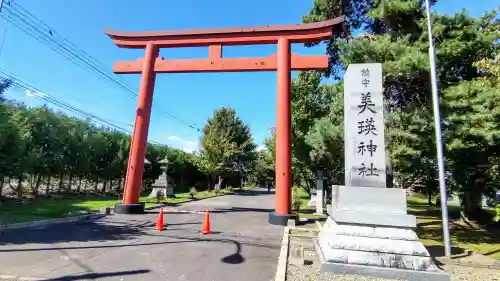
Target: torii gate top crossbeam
(295,33)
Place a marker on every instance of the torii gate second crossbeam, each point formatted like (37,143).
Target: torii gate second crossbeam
(283,62)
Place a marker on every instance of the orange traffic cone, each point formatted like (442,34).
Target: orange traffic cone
(206,223)
(159,221)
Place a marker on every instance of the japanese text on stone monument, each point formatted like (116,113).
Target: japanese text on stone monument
(364,126)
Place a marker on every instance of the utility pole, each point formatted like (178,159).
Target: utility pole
(439,141)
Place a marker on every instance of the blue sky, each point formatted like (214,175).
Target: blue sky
(191,97)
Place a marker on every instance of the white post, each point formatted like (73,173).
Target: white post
(319,196)
(320,191)
(439,141)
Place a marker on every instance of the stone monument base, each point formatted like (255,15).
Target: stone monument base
(167,192)
(368,232)
(380,251)
(154,192)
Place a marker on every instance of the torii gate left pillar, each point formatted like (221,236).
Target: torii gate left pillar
(283,63)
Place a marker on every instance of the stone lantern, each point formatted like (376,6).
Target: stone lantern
(161,184)
(163,164)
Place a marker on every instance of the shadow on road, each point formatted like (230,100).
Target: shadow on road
(122,233)
(259,192)
(175,239)
(235,258)
(85,231)
(93,275)
(75,232)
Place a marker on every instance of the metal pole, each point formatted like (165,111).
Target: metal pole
(439,141)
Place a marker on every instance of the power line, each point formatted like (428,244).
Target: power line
(40,94)
(28,23)
(4,31)
(3,35)
(21,78)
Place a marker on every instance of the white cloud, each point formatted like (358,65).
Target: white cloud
(30,93)
(186,145)
(190,146)
(175,138)
(261,148)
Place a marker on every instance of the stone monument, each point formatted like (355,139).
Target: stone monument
(313,198)
(317,199)
(368,231)
(320,180)
(161,186)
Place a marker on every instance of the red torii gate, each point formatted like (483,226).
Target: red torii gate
(283,63)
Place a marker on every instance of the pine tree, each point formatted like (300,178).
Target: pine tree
(401,45)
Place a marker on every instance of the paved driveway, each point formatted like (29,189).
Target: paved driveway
(244,246)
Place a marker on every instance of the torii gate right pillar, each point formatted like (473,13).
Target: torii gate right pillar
(283,137)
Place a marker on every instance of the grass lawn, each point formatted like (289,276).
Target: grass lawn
(306,212)
(45,208)
(470,236)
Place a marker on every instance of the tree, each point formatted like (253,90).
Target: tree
(227,145)
(473,134)
(12,143)
(4,85)
(311,102)
(463,45)
(262,170)
(326,137)
(44,153)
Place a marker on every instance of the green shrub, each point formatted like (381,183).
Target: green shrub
(250,186)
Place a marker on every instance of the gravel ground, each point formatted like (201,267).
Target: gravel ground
(458,273)
(464,273)
(310,271)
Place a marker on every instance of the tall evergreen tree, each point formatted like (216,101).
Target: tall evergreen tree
(43,152)
(402,46)
(227,144)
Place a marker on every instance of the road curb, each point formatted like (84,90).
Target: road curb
(283,257)
(86,217)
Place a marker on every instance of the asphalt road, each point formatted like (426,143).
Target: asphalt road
(243,247)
